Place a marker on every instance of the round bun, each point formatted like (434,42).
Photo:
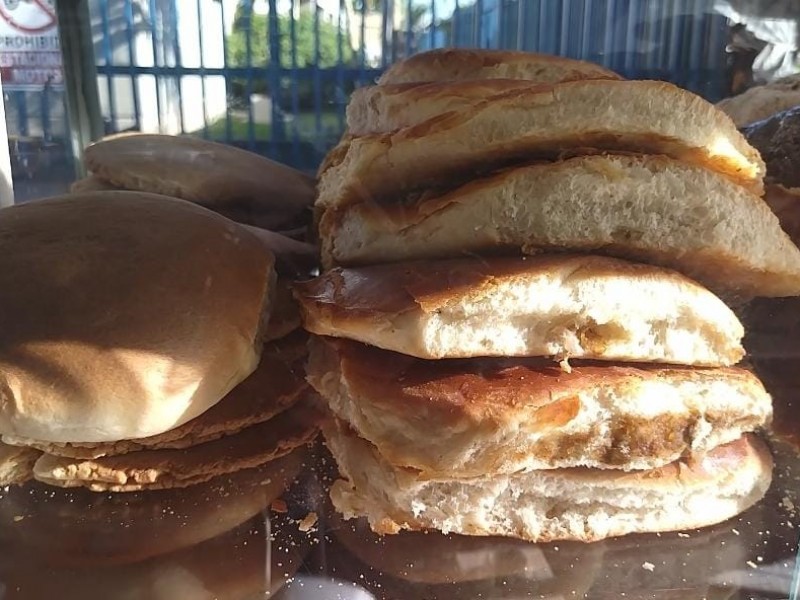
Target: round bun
(542,506)
(460,64)
(242,185)
(763,101)
(124,314)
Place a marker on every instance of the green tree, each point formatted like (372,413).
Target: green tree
(304,41)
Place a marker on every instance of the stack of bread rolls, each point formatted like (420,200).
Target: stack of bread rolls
(520,328)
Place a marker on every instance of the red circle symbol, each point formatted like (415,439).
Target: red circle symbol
(28,16)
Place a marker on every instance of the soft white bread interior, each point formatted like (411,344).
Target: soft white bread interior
(542,506)
(124,314)
(549,305)
(449,64)
(466,418)
(652,209)
(541,121)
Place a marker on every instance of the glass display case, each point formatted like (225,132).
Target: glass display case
(276,78)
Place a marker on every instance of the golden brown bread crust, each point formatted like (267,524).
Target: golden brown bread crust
(285,316)
(176,468)
(277,383)
(460,64)
(385,108)
(427,286)
(218,176)
(544,122)
(124,314)
(466,418)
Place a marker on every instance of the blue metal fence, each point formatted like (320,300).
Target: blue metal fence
(274,76)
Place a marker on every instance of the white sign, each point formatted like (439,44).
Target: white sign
(30,55)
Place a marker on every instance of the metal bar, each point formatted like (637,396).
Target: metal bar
(501,24)
(362,37)
(340,102)
(176,48)
(251,130)
(155,45)
(6,180)
(629,63)
(132,61)
(544,28)
(478,25)
(432,28)
(326,73)
(716,50)
(456,25)
(295,90)
(21,100)
(520,25)
(80,80)
(45,112)
(563,41)
(670,18)
(317,78)
(409,38)
(109,59)
(202,67)
(696,46)
(586,31)
(273,73)
(386,32)
(608,34)
(226,72)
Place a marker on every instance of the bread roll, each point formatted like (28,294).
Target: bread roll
(651,209)
(542,506)
(763,101)
(124,315)
(466,418)
(168,468)
(277,383)
(240,184)
(549,305)
(541,121)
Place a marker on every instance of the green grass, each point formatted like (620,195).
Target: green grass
(305,124)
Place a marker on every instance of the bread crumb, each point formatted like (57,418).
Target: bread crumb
(279,506)
(308,522)
(683,535)
(751,564)
(564,364)
(735,531)
(18,518)
(648,566)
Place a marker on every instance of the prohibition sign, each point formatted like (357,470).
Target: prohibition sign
(28,16)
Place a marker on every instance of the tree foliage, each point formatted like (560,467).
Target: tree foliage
(303,41)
